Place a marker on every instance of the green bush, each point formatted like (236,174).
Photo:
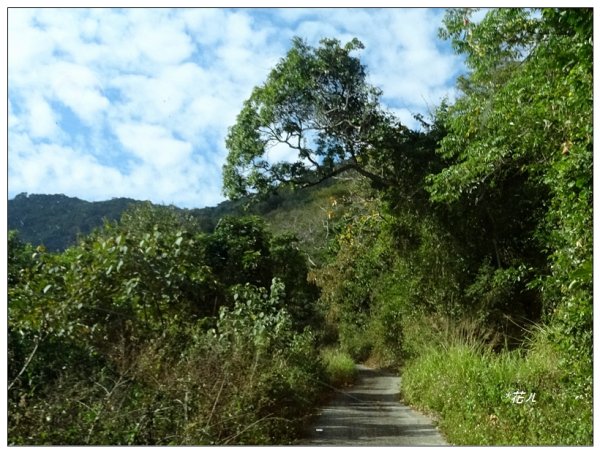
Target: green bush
(340,369)
(135,337)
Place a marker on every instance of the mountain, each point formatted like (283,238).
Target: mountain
(56,221)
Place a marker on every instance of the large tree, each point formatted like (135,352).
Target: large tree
(316,103)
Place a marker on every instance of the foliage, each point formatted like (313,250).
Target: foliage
(19,257)
(309,214)
(136,336)
(346,282)
(56,221)
(387,266)
(317,104)
(473,392)
(496,227)
(190,327)
(340,369)
(525,120)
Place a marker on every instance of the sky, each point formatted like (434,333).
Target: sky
(136,102)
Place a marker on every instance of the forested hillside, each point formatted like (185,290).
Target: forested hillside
(57,221)
(459,254)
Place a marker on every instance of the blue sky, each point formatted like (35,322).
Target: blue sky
(136,103)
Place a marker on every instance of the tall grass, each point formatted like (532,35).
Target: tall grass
(458,376)
(340,369)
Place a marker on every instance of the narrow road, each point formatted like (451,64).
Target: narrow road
(370,413)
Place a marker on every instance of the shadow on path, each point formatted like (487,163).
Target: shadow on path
(370,413)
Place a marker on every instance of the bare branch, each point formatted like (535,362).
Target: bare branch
(27,362)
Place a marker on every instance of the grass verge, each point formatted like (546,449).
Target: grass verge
(472,390)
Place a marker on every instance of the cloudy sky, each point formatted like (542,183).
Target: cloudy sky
(136,103)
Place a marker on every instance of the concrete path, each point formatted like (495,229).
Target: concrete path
(370,413)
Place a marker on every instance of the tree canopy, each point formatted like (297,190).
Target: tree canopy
(317,103)
(520,145)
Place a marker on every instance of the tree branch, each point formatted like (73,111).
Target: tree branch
(345,168)
(27,362)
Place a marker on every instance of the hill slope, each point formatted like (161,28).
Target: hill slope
(55,221)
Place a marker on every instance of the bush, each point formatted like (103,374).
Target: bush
(340,369)
(135,338)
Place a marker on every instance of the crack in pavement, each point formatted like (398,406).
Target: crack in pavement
(370,413)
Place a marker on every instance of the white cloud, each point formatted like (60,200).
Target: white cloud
(197,183)
(50,168)
(155,98)
(205,24)
(210,111)
(406,117)
(280,152)
(26,43)
(407,62)
(313,31)
(13,119)
(69,31)
(154,90)
(42,119)
(154,145)
(160,39)
(77,87)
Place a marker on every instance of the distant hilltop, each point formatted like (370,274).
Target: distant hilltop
(56,220)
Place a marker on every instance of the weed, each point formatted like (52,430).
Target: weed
(474,391)
(340,369)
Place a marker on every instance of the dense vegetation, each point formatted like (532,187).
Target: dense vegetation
(151,332)
(460,253)
(55,221)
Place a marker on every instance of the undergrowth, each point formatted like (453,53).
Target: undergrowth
(340,369)
(483,397)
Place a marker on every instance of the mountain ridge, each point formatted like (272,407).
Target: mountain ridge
(57,220)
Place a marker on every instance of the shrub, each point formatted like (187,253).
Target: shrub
(340,369)
(133,338)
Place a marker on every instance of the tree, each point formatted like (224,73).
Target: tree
(316,103)
(521,133)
